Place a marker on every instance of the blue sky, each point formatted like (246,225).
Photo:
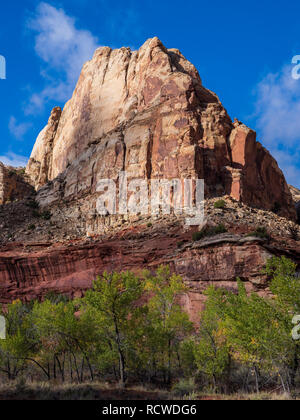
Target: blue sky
(243,51)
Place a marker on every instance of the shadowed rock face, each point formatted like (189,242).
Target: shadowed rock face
(13,186)
(298,211)
(148,113)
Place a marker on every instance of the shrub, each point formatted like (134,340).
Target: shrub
(260,232)
(32,204)
(197,236)
(184,387)
(12,172)
(56,298)
(46,215)
(31,227)
(294,232)
(276,208)
(220,204)
(36,214)
(220,229)
(149,225)
(22,171)
(180,244)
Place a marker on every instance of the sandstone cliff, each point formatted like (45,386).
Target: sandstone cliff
(148,113)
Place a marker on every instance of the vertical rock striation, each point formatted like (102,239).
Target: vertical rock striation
(148,113)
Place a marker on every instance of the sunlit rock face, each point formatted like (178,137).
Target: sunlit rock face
(40,163)
(147,112)
(296,197)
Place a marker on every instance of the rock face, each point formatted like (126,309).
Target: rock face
(298,211)
(13,186)
(32,271)
(296,197)
(257,179)
(147,112)
(40,164)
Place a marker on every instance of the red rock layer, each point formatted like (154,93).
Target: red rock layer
(31,272)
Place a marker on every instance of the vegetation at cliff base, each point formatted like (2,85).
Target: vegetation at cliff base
(132,330)
(209,232)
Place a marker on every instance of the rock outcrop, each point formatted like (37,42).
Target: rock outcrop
(147,112)
(296,197)
(40,164)
(295,193)
(13,185)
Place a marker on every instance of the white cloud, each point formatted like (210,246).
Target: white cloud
(278,120)
(18,130)
(63,48)
(11,159)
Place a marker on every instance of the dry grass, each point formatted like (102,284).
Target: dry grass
(108,392)
(87,391)
(262,396)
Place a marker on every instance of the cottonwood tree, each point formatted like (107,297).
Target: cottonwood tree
(113,301)
(166,324)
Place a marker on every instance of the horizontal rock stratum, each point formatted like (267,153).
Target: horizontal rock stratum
(147,112)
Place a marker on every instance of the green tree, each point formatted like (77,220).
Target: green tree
(285,286)
(256,333)
(113,301)
(18,346)
(167,325)
(211,347)
(62,338)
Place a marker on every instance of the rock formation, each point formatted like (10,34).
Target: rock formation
(295,193)
(147,112)
(40,164)
(13,186)
(296,197)
(298,211)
